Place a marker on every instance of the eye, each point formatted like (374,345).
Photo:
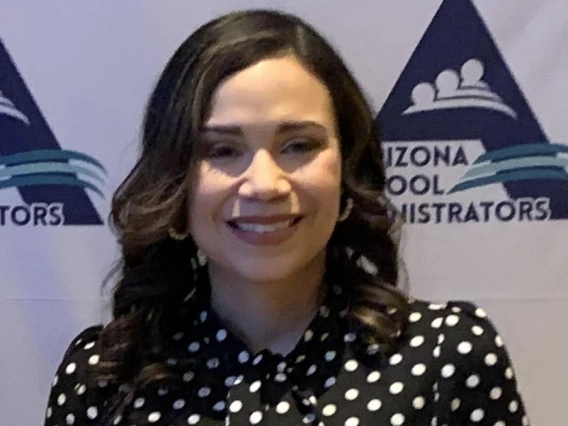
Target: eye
(302,146)
(220,150)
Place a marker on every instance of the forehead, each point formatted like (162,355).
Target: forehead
(271,91)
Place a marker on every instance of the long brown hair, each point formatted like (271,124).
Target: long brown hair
(156,272)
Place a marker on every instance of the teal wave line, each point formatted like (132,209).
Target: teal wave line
(35,168)
(42,155)
(517,163)
(511,176)
(523,150)
(36,180)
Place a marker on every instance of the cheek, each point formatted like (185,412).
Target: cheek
(207,195)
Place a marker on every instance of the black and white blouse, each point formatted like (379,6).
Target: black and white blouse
(451,368)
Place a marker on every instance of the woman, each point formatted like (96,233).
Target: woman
(259,272)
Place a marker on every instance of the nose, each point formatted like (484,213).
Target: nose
(264,179)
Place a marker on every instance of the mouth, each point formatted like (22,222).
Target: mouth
(263,226)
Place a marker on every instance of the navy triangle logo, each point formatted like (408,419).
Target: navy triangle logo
(51,181)
(457,110)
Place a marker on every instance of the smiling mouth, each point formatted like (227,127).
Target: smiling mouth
(263,228)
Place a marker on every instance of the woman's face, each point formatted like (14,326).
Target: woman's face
(266,199)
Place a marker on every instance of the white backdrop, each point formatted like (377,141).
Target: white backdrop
(90,66)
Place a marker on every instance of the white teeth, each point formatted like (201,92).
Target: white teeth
(253,227)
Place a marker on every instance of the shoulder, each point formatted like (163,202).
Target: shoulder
(461,328)
(73,397)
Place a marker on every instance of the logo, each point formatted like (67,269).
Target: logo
(461,143)
(52,182)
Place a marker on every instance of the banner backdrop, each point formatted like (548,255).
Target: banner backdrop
(471,97)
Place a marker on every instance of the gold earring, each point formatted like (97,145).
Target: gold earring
(348,207)
(175,235)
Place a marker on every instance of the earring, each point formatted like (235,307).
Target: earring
(176,235)
(201,258)
(348,207)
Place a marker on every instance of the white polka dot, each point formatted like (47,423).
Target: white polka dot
(177,336)
(81,389)
(154,417)
(219,406)
(495,393)
(418,370)
(171,361)
(490,359)
(308,335)
(235,406)
(374,405)
(89,345)
(415,317)
(513,406)
(472,381)
(139,403)
(499,341)
(437,323)
(255,386)
(257,359)
(55,380)
(436,352)
(397,420)
(480,313)
(311,370)
(70,419)
(92,413)
(193,347)
(162,391)
(417,341)
(117,420)
(499,423)
(61,399)
(373,349)
(280,377)
(477,330)
(448,371)
(283,407)
(255,418)
(204,392)
(193,419)
(179,404)
(94,359)
(395,359)
(329,382)
(436,306)
(452,320)
(396,388)
(418,403)
(477,415)
(213,363)
(71,368)
(351,394)
(350,337)
(329,410)
(456,404)
(244,357)
(373,377)
(464,348)
(352,421)
(441,339)
(188,377)
(309,418)
(509,373)
(330,355)
(49,412)
(351,365)
(221,335)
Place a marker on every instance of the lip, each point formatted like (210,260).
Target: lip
(273,238)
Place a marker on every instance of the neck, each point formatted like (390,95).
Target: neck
(268,315)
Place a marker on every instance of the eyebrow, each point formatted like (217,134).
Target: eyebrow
(284,127)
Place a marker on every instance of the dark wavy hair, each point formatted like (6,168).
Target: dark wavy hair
(156,272)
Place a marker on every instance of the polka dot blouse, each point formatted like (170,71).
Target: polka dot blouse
(450,368)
